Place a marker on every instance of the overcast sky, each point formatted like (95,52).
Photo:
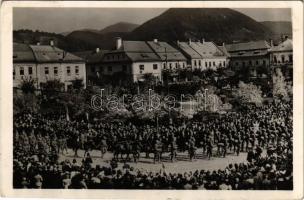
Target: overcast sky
(68,19)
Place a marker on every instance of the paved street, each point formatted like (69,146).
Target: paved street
(182,164)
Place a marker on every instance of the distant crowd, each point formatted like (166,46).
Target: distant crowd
(38,141)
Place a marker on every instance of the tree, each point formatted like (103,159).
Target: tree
(209,101)
(28,85)
(248,93)
(279,85)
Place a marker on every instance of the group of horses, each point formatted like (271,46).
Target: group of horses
(127,149)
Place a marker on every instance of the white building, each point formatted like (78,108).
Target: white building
(204,55)
(46,62)
(134,58)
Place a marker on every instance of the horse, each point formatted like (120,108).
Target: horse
(158,149)
(127,148)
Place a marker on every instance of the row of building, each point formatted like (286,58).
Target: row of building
(136,58)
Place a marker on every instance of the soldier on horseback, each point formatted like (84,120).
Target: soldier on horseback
(103,146)
(173,148)
(157,149)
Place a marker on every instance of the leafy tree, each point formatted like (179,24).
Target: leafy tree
(28,85)
(279,85)
(248,93)
(77,84)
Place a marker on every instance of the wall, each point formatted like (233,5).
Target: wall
(148,69)
(279,55)
(172,65)
(62,72)
(17,79)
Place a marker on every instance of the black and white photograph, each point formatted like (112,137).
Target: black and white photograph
(152,98)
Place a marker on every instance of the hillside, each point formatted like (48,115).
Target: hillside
(279,28)
(68,44)
(104,41)
(217,24)
(121,27)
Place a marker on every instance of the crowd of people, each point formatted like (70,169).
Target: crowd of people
(38,141)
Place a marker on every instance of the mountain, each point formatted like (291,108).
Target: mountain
(121,27)
(104,41)
(104,38)
(33,37)
(279,27)
(217,24)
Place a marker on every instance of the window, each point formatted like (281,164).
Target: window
(257,62)
(236,63)
(213,63)
(155,66)
(76,70)
(46,70)
(183,65)
(124,68)
(264,62)
(220,64)
(206,64)
(170,65)
(55,71)
(290,58)
(275,59)
(141,67)
(244,64)
(176,65)
(109,68)
(30,70)
(14,73)
(165,66)
(21,71)
(209,64)
(199,63)
(68,70)
(92,69)
(195,63)
(224,64)
(250,62)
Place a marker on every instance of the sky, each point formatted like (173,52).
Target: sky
(61,20)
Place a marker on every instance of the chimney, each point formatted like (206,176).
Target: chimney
(52,43)
(118,43)
(177,42)
(286,37)
(271,43)
(203,40)
(223,44)
(155,40)
(189,41)
(38,43)
(97,49)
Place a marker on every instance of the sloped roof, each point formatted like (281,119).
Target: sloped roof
(136,46)
(136,51)
(46,53)
(92,57)
(186,48)
(22,53)
(253,53)
(246,46)
(224,50)
(283,46)
(166,51)
(207,49)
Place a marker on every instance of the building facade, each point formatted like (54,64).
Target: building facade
(253,55)
(172,59)
(133,58)
(281,56)
(203,55)
(46,62)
